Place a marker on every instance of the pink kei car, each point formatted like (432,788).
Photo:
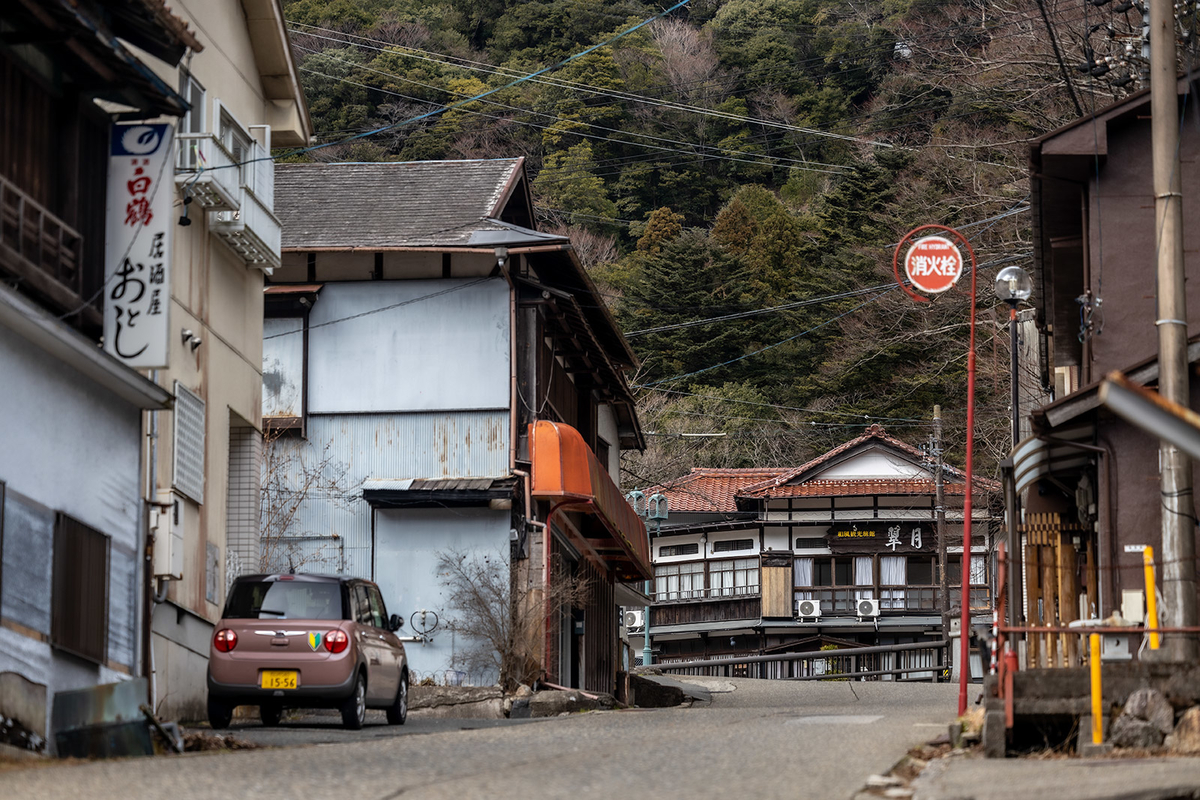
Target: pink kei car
(306,641)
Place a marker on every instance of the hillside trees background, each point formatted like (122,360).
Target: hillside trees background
(739,156)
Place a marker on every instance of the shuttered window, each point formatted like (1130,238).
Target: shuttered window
(189,444)
(678,550)
(79,606)
(731,545)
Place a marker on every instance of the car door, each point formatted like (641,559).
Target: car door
(391,641)
(370,643)
(389,667)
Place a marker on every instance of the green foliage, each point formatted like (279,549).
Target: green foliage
(662,226)
(738,155)
(567,184)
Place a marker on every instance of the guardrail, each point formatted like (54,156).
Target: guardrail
(918,661)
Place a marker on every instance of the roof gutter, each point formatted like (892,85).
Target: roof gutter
(52,336)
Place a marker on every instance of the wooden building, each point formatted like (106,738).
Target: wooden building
(467,382)
(842,550)
(1088,482)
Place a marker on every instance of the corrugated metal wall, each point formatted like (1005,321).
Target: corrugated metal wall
(353,448)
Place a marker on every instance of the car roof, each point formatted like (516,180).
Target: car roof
(299,577)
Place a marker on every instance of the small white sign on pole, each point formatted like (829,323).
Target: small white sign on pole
(137,262)
(1135,548)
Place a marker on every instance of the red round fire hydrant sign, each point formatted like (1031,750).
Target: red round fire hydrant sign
(933,264)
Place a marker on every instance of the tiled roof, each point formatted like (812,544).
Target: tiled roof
(858,486)
(712,490)
(388,204)
(777,486)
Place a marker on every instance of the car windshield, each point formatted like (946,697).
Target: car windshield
(284,600)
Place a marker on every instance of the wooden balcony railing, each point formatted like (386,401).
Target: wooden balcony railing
(41,251)
(892,599)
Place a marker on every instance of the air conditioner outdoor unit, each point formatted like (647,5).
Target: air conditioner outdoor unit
(635,618)
(867,607)
(808,608)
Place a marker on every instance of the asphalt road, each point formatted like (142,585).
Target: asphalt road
(759,739)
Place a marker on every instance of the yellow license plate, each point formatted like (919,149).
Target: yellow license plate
(279,679)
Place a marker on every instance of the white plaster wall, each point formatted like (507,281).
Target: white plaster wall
(435,352)
(606,429)
(877,464)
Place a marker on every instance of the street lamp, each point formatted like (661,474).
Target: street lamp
(1013,286)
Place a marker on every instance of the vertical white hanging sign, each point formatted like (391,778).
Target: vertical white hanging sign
(137,263)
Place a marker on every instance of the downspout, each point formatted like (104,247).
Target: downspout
(150,599)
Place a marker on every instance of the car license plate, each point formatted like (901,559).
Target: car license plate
(279,679)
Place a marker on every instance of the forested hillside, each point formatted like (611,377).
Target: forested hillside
(735,176)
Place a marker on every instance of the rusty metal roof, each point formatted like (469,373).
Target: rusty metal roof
(401,205)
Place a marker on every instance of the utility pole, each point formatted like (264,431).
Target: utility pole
(1178,526)
(939,510)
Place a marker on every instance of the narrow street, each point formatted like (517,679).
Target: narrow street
(752,739)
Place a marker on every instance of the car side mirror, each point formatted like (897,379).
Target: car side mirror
(395,623)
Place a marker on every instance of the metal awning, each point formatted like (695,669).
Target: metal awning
(436,492)
(567,472)
(1038,457)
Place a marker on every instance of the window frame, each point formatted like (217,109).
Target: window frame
(378,608)
(728,546)
(193,120)
(667,550)
(738,566)
(676,570)
(79,597)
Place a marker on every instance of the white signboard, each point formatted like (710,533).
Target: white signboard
(1135,548)
(137,262)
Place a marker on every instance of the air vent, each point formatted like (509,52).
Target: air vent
(189,444)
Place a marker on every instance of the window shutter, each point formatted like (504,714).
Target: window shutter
(189,444)
(79,607)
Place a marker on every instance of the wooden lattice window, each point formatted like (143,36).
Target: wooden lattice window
(79,605)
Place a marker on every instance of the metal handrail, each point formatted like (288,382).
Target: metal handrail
(808,656)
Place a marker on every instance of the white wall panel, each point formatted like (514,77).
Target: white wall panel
(385,346)
(283,367)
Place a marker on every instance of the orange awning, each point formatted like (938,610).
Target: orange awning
(566,470)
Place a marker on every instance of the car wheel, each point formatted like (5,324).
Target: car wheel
(354,707)
(220,713)
(397,713)
(270,714)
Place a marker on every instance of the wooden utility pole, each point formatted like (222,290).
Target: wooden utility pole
(939,510)
(1178,542)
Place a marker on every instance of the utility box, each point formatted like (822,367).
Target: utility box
(167,526)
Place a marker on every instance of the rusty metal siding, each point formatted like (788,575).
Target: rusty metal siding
(447,444)
(421,345)
(332,528)
(283,367)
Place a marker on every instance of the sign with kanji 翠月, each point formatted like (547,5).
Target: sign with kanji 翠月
(137,263)
(882,537)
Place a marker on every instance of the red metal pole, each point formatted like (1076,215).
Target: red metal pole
(964,670)
(965,621)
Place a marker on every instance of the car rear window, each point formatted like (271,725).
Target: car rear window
(284,600)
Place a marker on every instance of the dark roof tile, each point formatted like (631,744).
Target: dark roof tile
(390,204)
